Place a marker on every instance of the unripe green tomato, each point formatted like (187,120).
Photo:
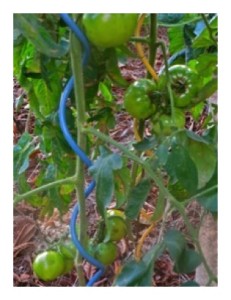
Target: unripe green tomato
(109,30)
(67,249)
(166,124)
(137,98)
(48,265)
(68,265)
(116,229)
(115,212)
(106,253)
(185,84)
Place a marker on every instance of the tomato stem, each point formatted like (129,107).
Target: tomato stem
(163,49)
(44,187)
(77,70)
(153,40)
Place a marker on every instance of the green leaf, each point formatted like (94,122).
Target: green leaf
(22,152)
(197,110)
(205,160)
(131,274)
(136,198)
(204,39)
(47,96)
(182,168)
(32,29)
(139,273)
(159,209)
(122,181)
(209,198)
(190,283)
(208,89)
(145,144)
(175,243)
(169,18)
(113,70)
(176,39)
(188,261)
(102,170)
(106,93)
(162,153)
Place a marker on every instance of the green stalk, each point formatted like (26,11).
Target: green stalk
(152,56)
(163,49)
(210,30)
(152,41)
(159,182)
(44,187)
(77,71)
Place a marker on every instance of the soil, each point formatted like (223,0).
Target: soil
(34,233)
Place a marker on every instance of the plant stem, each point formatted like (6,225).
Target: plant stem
(163,49)
(159,182)
(76,63)
(210,30)
(44,187)
(152,42)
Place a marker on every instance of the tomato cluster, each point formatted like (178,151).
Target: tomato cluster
(146,99)
(115,229)
(51,264)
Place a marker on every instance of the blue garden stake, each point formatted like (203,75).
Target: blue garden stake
(78,151)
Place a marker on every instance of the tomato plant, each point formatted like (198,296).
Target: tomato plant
(48,265)
(109,30)
(169,161)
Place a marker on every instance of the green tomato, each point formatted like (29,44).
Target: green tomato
(48,265)
(185,84)
(165,124)
(138,98)
(109,30)
(68,265)
(116,228)
(106,253)
(67,249)
(115,213)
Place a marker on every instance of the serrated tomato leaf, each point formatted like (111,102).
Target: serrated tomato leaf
(187,262)
(22,152)
(209,198)
(182,168)
(175,243)
(102,171)
(139,273)
(205,160)
(37,34)
(122,181)
(136,198)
